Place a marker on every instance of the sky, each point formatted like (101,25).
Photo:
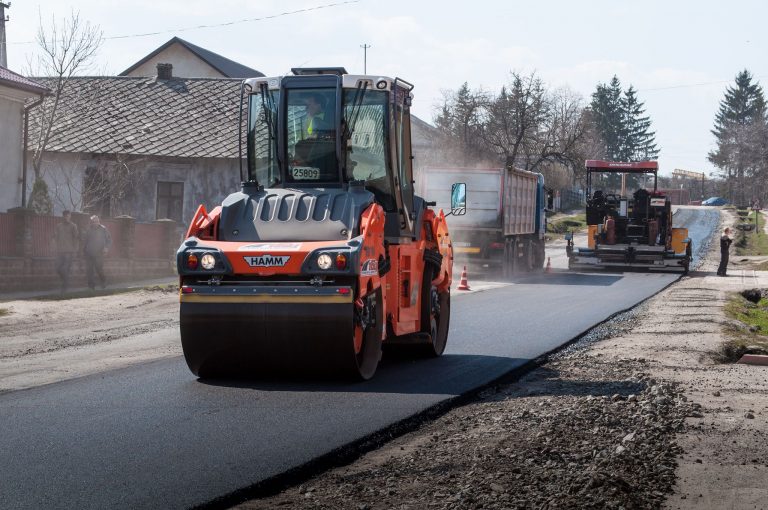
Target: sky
(680,54)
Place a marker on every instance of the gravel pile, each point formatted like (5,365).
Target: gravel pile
(576,433)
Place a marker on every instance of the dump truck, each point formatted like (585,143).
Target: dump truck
(326,253)
(505,222)
(626,232)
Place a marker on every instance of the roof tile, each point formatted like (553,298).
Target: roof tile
(15,80)
(182,117)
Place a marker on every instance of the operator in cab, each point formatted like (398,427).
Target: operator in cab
(315,121)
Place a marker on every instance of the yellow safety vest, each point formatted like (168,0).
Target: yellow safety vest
(310,123)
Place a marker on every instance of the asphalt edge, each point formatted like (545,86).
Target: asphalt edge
(352,451)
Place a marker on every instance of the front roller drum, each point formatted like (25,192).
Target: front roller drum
(224,336)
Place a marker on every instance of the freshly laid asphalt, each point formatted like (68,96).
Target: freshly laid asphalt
(153,436)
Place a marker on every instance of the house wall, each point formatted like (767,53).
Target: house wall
(185,64)
(206,181)
(11,128)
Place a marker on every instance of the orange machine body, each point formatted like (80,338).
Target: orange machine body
(400,285)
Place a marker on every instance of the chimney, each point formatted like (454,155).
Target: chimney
(164,71)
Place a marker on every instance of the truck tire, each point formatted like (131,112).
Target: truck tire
(508,264)
(539,256)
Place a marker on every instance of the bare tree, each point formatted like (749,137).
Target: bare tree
(108,181)
(67,47)
(525,125)
(515,118)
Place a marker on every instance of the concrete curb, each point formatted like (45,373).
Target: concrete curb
(754,359)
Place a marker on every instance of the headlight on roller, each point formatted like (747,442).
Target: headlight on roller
(208,261)
(324,261)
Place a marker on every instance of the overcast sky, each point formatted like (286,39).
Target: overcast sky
(679,54)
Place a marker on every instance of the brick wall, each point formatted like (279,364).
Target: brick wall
(27,251)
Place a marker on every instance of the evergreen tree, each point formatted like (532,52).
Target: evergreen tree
(39,198)
(740,127)
(639,143)
(622,123)
(459,119)
(606,109)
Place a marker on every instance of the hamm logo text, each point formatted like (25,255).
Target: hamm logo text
(267,260)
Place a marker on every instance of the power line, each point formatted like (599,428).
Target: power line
(689,85)
(225,24)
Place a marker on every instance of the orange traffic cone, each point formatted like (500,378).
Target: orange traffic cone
(463,284)
(548,269)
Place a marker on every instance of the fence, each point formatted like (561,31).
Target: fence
(7,235)
(28,250)
(149,238)
(43,230)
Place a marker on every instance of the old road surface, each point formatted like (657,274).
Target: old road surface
(153,436)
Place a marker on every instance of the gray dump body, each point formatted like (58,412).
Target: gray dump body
(504,210)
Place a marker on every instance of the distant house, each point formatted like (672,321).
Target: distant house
(190,61)
(14,91)
(150,148)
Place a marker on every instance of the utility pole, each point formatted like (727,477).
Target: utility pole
(3,45)
(365,57)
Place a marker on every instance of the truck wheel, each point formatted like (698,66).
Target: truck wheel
(506,260)
(529,262)
(539,255)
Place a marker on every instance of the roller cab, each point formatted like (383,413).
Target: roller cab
(325,254)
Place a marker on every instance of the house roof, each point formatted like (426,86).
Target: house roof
(225,66)
(14,80)
(422,133)
(180,117)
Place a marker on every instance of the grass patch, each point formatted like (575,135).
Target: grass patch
(563,224)
(754,242)
(4,312)
(748,331)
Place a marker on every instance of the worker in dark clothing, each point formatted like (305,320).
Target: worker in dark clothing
(95,246)
(67,241)
(725,245)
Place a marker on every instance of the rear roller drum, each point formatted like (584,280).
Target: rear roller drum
(366,341)
(435,316)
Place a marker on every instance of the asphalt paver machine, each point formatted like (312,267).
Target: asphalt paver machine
(325,254)
(626,232)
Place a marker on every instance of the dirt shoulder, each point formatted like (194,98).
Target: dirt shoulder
(45,341)
(637,415)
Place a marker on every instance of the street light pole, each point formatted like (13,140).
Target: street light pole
(3,45)
(365,57)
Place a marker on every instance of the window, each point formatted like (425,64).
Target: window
(366,150)
(311,135)
(170,200)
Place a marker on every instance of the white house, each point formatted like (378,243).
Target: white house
(14,91)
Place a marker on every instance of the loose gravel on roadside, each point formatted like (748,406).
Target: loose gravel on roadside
(637,414)
(575,433)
